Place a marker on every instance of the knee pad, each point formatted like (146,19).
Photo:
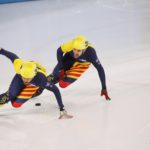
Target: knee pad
(64,84)
(16,104)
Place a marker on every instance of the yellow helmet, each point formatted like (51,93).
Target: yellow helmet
(28,69)
(80,43)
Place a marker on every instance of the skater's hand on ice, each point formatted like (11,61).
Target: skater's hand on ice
(104,93)
(64,115)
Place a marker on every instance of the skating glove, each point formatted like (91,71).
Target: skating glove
(104,93)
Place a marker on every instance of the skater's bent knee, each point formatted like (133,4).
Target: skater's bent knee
(16,105)
(63,84)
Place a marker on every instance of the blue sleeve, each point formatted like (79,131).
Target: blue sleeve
(95,61)
(40,80)
(56,71)
(59,66)
(9,55)
(51,87)
(60,57)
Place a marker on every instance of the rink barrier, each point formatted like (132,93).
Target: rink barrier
(12,1)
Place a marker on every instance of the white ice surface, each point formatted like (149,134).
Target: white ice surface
(120,32)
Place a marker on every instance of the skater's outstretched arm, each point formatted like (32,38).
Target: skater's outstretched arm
(95,61)
(17,62)
(59,66)
(8,54)
(60,57)
(41,81)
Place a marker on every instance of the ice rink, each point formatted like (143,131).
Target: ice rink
(120,33)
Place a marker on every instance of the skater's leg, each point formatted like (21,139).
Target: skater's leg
(27,93)
(73,74)
(14,89)
(19,93)
(18,102)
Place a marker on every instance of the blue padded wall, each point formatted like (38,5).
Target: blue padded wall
(11,1)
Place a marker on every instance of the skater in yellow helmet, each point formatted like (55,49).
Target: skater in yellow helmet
(30,76)
(74,58)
